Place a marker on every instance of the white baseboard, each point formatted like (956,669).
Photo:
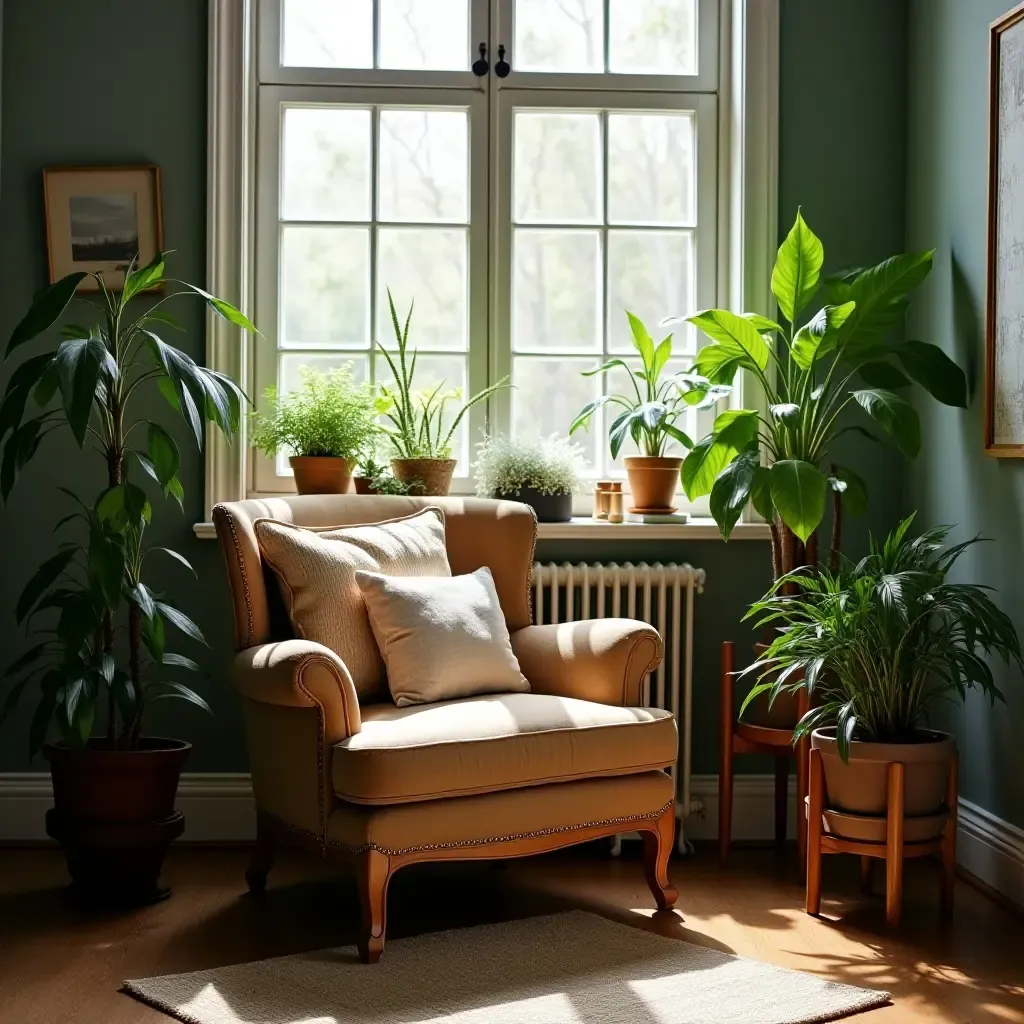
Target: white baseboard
(220,808)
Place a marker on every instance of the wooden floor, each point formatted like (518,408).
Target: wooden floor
(60,965)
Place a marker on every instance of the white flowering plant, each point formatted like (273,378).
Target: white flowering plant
(548,465)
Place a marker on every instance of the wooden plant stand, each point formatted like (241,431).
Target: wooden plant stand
(739,737)
(893,851)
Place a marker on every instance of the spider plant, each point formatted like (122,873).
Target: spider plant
(880,643)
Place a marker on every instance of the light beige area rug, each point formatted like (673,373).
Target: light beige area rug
(574,968)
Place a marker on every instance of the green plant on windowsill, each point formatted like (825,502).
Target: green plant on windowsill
(813,375)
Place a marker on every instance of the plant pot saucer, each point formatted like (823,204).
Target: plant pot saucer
(866,828)
(652,511)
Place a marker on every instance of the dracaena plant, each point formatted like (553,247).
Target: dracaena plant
(844,359)
(881,642)
(650,414)
(99,631)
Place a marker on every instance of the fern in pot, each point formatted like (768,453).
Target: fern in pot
(324,425)
(877,646)
(543,472)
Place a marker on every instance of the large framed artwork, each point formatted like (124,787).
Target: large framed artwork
(99,218)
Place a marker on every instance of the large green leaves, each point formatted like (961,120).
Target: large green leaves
(733,431)
(895,415)
(45,311)
(798,493)
(934,371)
(142,278)
(738,337)
(732,488)
(42,579)
(78,363)
(797,269)
(820,334)
(19,387)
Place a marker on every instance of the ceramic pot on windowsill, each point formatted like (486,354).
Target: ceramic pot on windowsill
(653,481)
(321,474)
(548,508)
(429,477)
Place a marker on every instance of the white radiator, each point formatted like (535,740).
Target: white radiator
(662,595)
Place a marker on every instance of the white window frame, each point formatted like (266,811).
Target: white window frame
(746,73)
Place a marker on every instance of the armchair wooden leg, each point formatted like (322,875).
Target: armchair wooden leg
(658,840)
(949,843)
(813,832)
(803,766)
(725,768)
(263,856)
(894,847)
(373,871)
(781,797)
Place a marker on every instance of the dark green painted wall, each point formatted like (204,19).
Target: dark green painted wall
(954,481)
(121,81)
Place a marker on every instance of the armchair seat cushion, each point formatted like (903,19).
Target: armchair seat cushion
(496,742)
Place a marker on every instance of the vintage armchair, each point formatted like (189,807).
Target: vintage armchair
(501,775)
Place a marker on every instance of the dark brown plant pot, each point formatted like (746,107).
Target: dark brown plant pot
(114,816)
(653,482)
(430,477)
(859,789)
(549,508)
(781,713)
(321,474)
(362,485)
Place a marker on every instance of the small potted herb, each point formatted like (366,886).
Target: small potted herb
(420,432)
(374,478)
(324,425)
(878,645)
(543,472)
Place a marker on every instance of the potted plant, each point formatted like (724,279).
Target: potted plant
(543,472)
(101,656)
(775,458)
(420,433)
(649,417)
(374,478)
(878,645)
(325,423)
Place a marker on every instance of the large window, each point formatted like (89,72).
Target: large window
(523,212)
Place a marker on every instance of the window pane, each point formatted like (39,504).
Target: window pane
(426,266)
(559,35)
(556,290)
(549,393)
(650,169)
(557,175)
(325,287)
(424,34)
(325,165)
(650,273)
(431,371)
(653,37)
(327,34)
(424,165)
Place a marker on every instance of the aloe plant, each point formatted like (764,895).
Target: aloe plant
(100,382)
(841,360)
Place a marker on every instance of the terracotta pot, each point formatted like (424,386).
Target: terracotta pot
(549,508)
(784,711)
(321,474)
(653,482)
(431,477)
(362,485)
(114,816)
(861,786)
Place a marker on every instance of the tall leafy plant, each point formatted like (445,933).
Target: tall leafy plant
(104,630)
(813,372)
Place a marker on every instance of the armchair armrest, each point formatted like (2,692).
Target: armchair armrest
(601,660)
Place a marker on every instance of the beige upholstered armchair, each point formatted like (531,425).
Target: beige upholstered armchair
(501,775)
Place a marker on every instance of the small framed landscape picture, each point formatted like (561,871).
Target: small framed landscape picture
(99,218)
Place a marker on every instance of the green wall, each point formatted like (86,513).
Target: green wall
(953,480)
(119,81)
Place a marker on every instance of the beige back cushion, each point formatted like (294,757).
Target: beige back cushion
(317,569)
(441,638)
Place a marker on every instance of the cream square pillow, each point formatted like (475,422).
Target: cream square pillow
(441,638)
(316,569)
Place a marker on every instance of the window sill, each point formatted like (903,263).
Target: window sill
(585,528)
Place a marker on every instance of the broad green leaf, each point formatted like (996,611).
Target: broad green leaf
(736,335)
(732,488)
(642,341)
(854,490)
(142,278)
(72,692)
(18,389)
(44,577)
(226,310)
(934,371)
(717,363)
(180,661)
(787,412)
(583,416)
(820,334)
(20,448)
(662,354)
(106,558)
(154,637)
(732,432)
(46,310)
(178,690)
(179,558)
(141,596)
(182,386)
(678,435)
(895,415)
(180,620)
(123,506)
(763,325)
(78,364)
(761,494)
(879,374)
(163,455)
(798,493)
(797,269)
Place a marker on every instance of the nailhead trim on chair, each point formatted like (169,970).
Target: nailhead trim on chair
(465,843)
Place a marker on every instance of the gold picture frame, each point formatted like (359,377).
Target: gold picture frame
(99,217)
